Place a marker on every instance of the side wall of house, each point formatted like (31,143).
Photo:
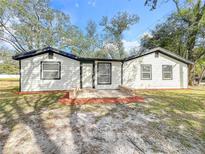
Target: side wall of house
(115,76)
(132,73)
(31,72)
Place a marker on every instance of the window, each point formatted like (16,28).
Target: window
(104,73)
(166,72)
(146,72)
(156,54)
(50,70)
(50,55)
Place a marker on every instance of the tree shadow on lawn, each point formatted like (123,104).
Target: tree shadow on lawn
(84,143)
(90,143)
(76,129)
(178,101)
(26,110)
(178,110)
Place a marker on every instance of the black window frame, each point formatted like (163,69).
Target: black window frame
(141,68)
(171,73)
(41,71)
(107,83)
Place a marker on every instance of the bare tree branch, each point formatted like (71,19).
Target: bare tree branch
(20,46)
(12,44)
(180,13)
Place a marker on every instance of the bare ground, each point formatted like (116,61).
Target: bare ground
(97,128)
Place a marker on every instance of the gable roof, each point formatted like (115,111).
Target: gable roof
(60,52)
(42,51)
(163,51)
(72,56)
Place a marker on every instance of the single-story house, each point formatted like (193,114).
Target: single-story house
(51,69)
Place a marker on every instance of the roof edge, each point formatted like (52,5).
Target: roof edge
(72,56)
(42,51)
(163,51)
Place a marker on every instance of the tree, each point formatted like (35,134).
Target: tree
(192,14)
(91,29)
(200,69)
(170,35)
(115,28)
(151,3)
(28,25)
(7,65)
(92,39)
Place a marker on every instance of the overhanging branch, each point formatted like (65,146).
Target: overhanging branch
(13,44)
(19,45)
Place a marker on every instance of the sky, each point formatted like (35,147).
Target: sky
(81,11)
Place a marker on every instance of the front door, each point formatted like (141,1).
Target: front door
(87,73)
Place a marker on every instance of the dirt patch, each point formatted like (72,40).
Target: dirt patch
(99,128)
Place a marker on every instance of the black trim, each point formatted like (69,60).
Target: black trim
(43,51)
(99,59)
(93,75)
(110,73)
(60,52)
(141,71)
(81,82)
(135,57)
(41,77)
(171,73)
(162,52)
(69,55)
(19,75)
(122,73)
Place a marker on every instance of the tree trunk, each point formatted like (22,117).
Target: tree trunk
(191,74)
(201,76)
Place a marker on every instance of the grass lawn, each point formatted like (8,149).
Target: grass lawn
(13,104)
(179,109)
(180,115)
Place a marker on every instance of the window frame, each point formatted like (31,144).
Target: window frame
(167,72)
(141,67)
(51,62)
(110,74)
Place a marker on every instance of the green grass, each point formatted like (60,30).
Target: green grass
(15,107)
(179,109)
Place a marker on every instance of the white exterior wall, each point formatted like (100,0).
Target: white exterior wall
(30,74)
(115,79)
(132,73)
(87,75)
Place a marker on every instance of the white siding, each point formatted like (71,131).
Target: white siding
(132,73)
(115,79)
(87,75)
(70,74)
(30,74)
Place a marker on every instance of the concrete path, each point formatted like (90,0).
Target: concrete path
(102,94)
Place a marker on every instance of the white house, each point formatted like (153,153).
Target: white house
(51,69)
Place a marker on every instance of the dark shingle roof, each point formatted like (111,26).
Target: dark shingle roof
(161,50)
(72,56)
(42,51)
